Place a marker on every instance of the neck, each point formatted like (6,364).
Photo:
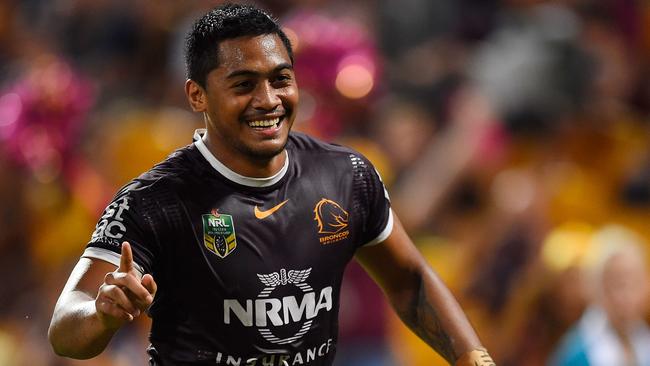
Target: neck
(244,165)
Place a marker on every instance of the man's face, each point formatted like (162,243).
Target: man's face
(251,97)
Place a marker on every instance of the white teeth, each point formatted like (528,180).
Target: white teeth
(265,122)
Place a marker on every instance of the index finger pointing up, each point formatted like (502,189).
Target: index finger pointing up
(126,259)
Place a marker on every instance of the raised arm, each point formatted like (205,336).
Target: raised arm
(421,299)
(95,302)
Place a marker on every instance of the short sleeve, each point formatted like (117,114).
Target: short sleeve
(372,202)
(123,220)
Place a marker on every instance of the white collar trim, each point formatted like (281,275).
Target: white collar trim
(233,176)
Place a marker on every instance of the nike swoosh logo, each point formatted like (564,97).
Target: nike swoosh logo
(264,214)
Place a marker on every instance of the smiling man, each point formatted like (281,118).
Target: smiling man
(236,244)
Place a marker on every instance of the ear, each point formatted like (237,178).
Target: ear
(196,95)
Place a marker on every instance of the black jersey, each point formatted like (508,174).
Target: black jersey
(248,270)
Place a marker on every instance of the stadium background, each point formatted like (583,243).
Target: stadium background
(507,131)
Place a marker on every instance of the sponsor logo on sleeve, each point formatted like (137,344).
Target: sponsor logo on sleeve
(219,233)
(111,224)
(331,220)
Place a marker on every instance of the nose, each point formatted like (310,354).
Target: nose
(266,97)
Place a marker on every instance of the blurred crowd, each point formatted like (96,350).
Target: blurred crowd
(513,136)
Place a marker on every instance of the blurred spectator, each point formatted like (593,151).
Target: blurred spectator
(42,114)
(549,299)
(338,69)
(531,67)
(612,331)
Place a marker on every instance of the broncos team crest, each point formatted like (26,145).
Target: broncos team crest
(219,233)
(331,220)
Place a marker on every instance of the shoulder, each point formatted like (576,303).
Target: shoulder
(170,171)
(304,145)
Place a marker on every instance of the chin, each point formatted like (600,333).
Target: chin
(266,152)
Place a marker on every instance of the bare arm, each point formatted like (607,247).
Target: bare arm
(419,297)
(95,302)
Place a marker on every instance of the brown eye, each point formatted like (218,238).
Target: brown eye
(282,80)
(244,84)
(284,77)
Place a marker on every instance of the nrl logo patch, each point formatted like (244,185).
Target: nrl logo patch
(219,233)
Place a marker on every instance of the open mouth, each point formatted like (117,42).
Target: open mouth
(266,123)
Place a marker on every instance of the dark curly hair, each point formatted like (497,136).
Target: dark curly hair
(225,22)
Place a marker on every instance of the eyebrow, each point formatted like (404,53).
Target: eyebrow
(236,73)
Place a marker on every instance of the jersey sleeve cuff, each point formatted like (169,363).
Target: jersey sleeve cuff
(108,256)
(388,229)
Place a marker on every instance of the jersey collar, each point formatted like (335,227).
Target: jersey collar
(231,175)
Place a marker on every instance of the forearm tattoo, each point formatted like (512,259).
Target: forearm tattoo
(423,319)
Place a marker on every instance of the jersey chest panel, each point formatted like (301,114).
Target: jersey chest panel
(268,263)
(296,227)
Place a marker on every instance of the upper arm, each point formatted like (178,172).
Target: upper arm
(395,263)
(82,287)
(87,275)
